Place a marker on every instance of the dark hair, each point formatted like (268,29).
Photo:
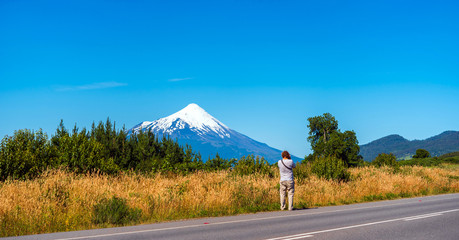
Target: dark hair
(285,154)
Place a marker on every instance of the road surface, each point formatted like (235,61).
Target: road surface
(433,217)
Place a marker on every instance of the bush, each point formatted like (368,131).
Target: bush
(217,163)
(384,159)
(330,168)
(115,211)
(302,171)
(251,165)
(25,155)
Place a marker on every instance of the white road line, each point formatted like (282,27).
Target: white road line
(246,220)
(125,233)
(422,216)
(309,234)
(306,236)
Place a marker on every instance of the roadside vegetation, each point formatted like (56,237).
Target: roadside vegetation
(59,200)
(101,178)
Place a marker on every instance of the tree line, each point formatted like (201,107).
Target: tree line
(104,149)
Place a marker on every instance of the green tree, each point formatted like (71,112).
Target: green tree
(80,152)
(144,152)
(217,163)
(421,153)
(327,140)
(344,146)
(384,159)
(320,129)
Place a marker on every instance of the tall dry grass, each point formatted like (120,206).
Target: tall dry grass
(62,201)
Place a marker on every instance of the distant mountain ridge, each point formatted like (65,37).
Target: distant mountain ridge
(204,133)
(445,142)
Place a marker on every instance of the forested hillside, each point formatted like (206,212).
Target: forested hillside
(443,143)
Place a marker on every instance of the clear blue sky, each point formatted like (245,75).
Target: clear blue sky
(260,67)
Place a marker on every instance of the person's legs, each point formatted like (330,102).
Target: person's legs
(282,191)
(291,191)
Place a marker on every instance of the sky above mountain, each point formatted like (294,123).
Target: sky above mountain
(260,67)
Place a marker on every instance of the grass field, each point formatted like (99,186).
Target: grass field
(62,201)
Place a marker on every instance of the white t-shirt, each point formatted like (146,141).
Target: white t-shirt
(285,173)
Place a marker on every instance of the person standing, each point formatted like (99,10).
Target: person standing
(287,184)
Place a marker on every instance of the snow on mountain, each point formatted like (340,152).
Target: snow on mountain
(193,117)
(194,126)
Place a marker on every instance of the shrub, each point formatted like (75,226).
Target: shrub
(330,168)
(24,155)
(217,163)
(302,171)
(384,159)
(115,211)
(251,165)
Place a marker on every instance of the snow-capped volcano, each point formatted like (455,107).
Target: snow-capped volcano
(194,126)
(193,117)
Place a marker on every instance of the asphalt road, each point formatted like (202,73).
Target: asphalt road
(434,217)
